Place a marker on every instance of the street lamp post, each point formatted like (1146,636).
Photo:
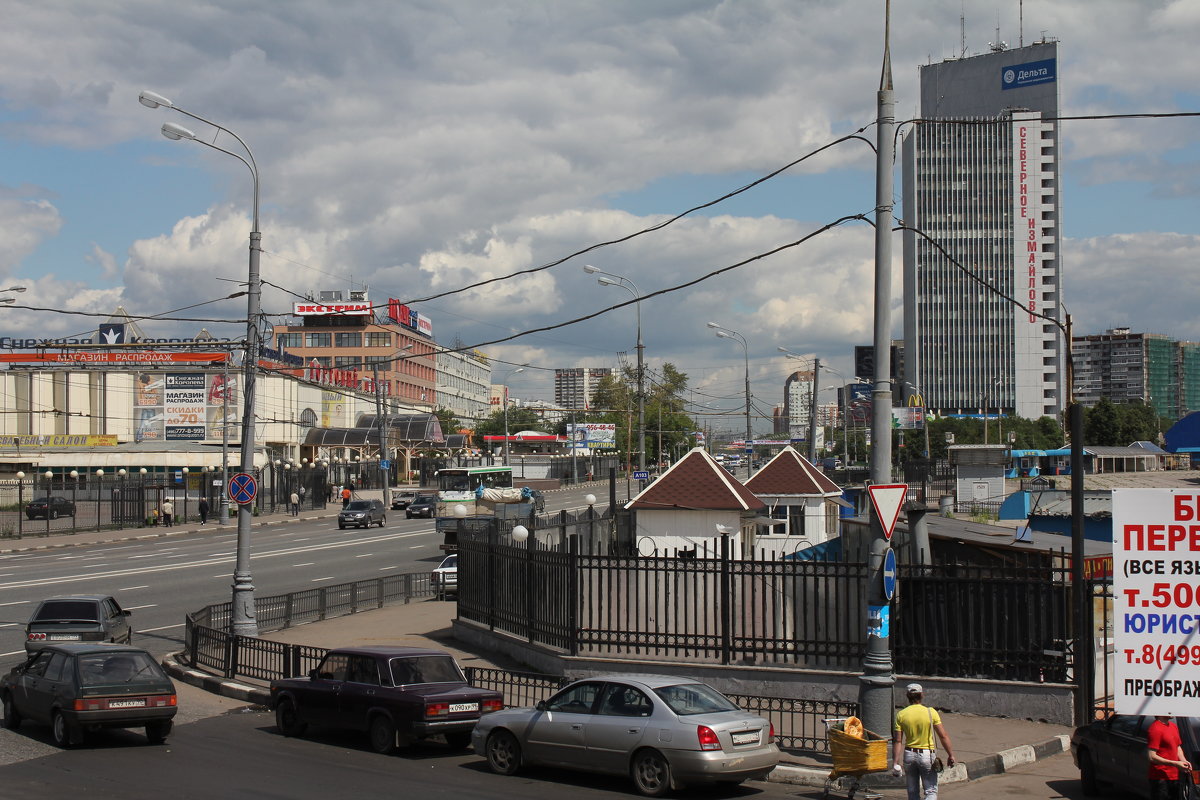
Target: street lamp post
(812,403)
(243,621)
(726,333)
(612,279)
(506,377)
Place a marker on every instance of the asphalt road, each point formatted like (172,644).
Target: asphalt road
(160,580)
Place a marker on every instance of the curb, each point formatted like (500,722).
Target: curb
(211,683)
(996,764)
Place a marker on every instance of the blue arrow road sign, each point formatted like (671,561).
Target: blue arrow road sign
(385,464)
(242,488)
(889,573)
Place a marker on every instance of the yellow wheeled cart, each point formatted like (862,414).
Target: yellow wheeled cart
(854,757)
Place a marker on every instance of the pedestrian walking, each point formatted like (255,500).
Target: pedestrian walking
(202,507)
(346,496)
(168,513)
(303,492)
(914,750)
(1166,759)
(295,503)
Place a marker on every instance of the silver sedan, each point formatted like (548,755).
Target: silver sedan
(663,732)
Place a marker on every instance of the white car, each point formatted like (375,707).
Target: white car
(445,578)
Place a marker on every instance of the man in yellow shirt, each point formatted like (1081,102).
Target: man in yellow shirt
(913,746)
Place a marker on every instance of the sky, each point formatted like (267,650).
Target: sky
(414,148)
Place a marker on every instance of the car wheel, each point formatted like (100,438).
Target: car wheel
(1087,774)
(287,719)
(341,527)
(12,719)
(383,735)
(459,740)
(503,752)
(63,735)
(157,732)
(407,515)
(382,520)
(651,773)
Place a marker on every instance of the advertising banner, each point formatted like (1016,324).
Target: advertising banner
(59,440)
(593,435)
(908,418)
(186,406)
(1156,601)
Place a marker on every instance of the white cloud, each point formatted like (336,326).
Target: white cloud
(24,224)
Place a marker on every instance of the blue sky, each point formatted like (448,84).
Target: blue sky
(507,135)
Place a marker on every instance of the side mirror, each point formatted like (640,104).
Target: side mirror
(541,706)
(126,612)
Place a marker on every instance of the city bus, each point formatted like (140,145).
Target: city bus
(458,484)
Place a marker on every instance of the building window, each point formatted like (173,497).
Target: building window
(322,361)
(286,340)
(379,339)
(316,340)
(347,362)
(353,339)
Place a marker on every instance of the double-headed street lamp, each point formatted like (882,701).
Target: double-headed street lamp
(505,384)
(612,279)
(11,289)
(726,333)
(243,619)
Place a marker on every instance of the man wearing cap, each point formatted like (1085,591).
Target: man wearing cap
(913,748)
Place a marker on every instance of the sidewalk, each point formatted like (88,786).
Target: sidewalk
(983,745)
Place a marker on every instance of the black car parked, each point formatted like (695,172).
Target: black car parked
(362,514)
(79,688)
(425,505)
(1114,752)
(392,693)
(49,508)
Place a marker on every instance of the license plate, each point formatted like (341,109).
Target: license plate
(746,738)
(457,708)
(127,703)
(64,637)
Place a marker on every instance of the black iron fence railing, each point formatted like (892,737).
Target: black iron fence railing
(1004,621)
(210,645)
(64,504)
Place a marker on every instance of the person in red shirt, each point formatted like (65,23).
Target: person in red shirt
(1166,759)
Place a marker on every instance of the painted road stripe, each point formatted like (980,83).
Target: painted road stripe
(327,578)
(163,628)
(15,603)
(135,608)
(365,555)
(131,588)
(305,564)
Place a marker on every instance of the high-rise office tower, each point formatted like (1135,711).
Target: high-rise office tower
(981,179)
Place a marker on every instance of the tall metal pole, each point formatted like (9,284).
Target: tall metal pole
(385,474)
(812,413)
(613,279)
(875,689)
(749,455)
(223,503)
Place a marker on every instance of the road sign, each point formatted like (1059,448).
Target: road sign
(889,574)
(385,464)
(641,476)
(242,488)
(888,499)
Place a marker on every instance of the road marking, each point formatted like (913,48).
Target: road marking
(131,588)
(305,539)
(229,559)
(15,603)
(13,653)
(9,624)
(6,574)
(163,628)
(381,569)
(95,565)
(416,546)
(327,578)
(305,564)
(365,555)
(135,608)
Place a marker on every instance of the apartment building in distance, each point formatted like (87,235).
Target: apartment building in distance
(575,387)
(1129,367)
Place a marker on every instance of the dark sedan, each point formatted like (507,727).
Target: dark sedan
(49,508)
(423,505)
(79,688)
(77,618)
(1114,752)
(394,694)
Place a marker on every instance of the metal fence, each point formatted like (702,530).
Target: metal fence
(1006,621)
(210,644)
(109,501)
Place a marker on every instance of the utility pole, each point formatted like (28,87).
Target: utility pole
(223,504)
(381,425)
(875,688)
(812,414)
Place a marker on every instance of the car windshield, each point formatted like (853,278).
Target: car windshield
(694,698)
(359,505)
(81,610)
(425,669)
(451,562)
(424,498)
(103,669)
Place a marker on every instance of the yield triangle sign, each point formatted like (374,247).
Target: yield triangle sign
(888,500)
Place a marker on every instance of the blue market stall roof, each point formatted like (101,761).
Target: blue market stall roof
(1184,436)
(418,429)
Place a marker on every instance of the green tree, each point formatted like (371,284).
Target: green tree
(447,419)
(1102,425)
(519,419)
